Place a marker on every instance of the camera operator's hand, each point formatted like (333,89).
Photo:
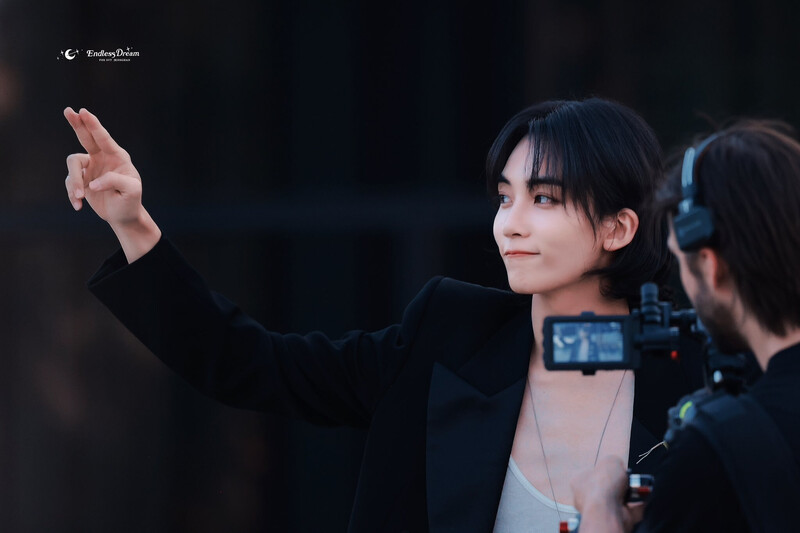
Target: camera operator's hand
(599,495)
(107,179)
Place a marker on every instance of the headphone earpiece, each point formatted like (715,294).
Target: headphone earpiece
(693,224)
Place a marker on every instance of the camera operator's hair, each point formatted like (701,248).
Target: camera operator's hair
(607,159)
(749,178)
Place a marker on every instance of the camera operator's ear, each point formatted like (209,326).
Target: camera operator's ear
(713,269)
(620,229)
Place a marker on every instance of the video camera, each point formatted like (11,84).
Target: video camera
(590,342)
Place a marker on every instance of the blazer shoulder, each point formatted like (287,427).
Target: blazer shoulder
(462,295)
(451,303)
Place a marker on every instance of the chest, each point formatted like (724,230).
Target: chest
(564,428)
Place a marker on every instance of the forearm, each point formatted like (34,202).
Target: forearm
(228,356)
(137,237)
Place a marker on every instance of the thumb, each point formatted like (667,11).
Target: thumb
(117,182)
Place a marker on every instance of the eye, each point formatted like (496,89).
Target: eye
(498,200)
(543,199)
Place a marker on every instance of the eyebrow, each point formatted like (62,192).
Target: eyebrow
(533,182)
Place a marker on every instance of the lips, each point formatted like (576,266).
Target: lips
(519,253)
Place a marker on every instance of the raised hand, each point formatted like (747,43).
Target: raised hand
(105,177)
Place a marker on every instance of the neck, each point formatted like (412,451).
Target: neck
(765,344)
(574,300)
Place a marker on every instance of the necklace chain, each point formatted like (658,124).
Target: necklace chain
(541,441)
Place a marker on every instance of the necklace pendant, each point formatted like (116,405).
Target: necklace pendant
(569,526)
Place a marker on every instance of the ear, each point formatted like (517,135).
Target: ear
(620,229)
(713,269)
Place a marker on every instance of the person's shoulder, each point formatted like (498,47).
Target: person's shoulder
(691,449)
(475,310)
(461,296)
(690,472)
(450,319)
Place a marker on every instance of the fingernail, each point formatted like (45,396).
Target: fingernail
(76,205)
(79,193)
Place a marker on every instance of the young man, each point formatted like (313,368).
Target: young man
(744,281)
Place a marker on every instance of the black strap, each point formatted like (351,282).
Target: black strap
(757,459)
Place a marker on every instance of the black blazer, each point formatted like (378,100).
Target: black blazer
(440,392)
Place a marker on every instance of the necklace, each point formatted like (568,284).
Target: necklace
(541,442)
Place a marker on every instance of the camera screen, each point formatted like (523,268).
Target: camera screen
(587,342)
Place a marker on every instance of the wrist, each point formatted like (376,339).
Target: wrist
(139,222)
(599,515)
(137,235)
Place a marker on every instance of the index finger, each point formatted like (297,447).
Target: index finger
(100,135)
(84,137)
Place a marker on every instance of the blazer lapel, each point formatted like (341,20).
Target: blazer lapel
(472,418)
(473,409)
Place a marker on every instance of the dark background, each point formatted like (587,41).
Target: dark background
(317,162)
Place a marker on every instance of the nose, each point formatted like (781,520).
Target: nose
(514,222)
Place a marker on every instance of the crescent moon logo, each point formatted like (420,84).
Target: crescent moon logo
(70,54)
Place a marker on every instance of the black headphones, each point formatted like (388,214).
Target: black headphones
(693,225)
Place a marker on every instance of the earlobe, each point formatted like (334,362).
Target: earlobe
(621,228)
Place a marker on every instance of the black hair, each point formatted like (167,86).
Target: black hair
(749,178)
(607,159)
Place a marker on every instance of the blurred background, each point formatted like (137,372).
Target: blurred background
(317,162)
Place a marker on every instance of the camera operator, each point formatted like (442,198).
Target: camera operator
(743,278)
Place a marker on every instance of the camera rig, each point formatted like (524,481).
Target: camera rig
(589,342)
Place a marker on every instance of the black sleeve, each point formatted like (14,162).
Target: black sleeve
(227,355)
(692,492)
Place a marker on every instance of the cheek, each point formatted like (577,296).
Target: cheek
(688,279)
(497,228)
(580,252)
(565,235)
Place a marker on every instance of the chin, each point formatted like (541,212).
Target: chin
(541,284)
(521,285)
(521,289)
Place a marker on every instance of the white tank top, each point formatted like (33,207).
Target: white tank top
(525,509)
